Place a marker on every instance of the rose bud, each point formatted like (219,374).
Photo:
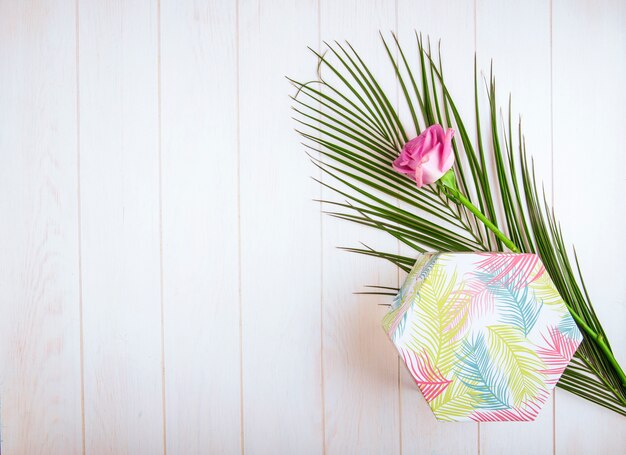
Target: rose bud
(428,156)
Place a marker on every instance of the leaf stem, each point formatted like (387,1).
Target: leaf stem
(606,383)
(599,340)
(458,197)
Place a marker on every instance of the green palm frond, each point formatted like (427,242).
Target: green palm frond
(353,132)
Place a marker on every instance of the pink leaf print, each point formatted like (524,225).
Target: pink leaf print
(500,269)
(482,300)
(473,301)
(504,415)
(557,353)
(528,411)
(428,378)
(518,269)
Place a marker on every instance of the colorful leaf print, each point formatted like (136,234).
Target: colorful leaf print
(509,415)
(544,290)
(559,349)
(518,270)
(432,311)
(454,404)
(477,371)
(484,336)
(503,277)
(516,305)
(568,327)
(518,309)
(478,300)
(528,411)
(517,361)
(396,318)
(429,379)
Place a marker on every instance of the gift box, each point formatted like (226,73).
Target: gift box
(485,336)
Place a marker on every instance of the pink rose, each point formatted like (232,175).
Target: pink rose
(427,157)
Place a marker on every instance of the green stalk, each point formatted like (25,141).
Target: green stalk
(492,227)
(599,339)
(448,184)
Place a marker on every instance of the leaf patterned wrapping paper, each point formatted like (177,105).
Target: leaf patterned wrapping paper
(485,336)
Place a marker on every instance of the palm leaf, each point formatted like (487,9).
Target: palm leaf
(477,370)
(353,129)
(522,269)
(545,291)
(433,331)
(455,403)
(567,327)
(427,376)
(517,307)
(558,349)
(517,361)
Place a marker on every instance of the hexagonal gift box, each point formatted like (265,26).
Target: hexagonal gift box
(486,336)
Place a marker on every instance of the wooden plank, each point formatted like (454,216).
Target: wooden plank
(516,36)
(452,23)
(200,218)
(360,364)
(280,232)
(281,264)
(589,58)
(119,172)
(39,303)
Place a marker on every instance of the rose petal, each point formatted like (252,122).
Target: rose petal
(426,157)
(447,158)
(418,177)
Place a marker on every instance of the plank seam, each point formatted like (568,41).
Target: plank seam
(162,300)
(79,230)
(478,448)
(552,192)
(398,250)
(321,221)
(239,255)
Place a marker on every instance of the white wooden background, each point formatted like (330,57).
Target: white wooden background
(166,283)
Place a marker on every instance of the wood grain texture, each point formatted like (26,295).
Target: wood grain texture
(521,68)
(147,154)
(200,216)
(280,239)
(589,52)
(452,24)
(119,172)
(360,368)
(39,293)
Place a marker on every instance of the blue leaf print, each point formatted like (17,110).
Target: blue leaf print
(567,326)
(478,372)
(516,305)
